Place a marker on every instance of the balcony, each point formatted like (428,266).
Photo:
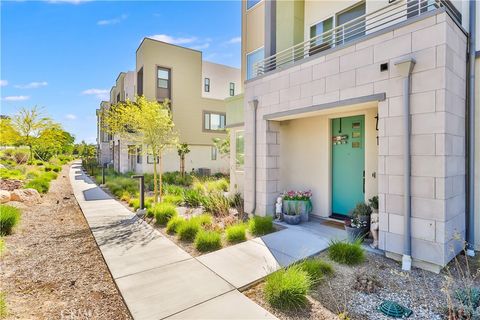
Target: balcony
(367,25)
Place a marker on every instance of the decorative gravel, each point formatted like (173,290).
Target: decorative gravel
(52,268)
(424,292)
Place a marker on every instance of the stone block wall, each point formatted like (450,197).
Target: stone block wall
(438,46)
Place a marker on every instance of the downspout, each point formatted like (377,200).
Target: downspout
(405,68)
(254,104)
(470,221)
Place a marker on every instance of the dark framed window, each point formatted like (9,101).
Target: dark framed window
(232,89)
(140,82)
(163,78)
(206,85)
(139,155)
(214,153)
(213,121)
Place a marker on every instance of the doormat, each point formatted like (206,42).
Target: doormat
(334,224)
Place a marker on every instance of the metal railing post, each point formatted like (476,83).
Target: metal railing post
(142,190)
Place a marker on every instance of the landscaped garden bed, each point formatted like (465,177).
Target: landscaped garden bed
(361,281)
(195,212)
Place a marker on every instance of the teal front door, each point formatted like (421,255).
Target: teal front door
(348,164)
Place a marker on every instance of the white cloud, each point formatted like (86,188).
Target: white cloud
(112,21)
(102,94)
(3,83)
(68,1)
(173,40)
(32,85)
(201,46)
(16,98)
(234,40)
(70,116)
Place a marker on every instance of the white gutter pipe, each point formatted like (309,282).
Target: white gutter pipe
(471,133)
(405,68)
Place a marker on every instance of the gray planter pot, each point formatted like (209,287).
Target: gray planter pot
(354,234)
(298,206)
(292,219)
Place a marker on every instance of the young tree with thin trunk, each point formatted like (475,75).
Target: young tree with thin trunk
(147,123)
(182,150)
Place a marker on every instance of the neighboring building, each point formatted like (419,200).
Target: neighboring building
(196,90)
(323,110)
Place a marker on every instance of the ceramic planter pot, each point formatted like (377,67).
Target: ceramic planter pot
(302,207)
(294,219)
(354,234)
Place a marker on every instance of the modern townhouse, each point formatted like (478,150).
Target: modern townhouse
(196,90)
(353,99)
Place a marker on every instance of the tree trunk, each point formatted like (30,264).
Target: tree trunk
(160,174)
(155,189)
(182,165)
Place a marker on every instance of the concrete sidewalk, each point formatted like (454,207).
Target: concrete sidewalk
(156,278)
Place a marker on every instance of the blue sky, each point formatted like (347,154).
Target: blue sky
(65,55)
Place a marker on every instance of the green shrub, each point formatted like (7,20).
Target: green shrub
(39,163)
(220,185)
(11,174)
(40,183)
(193,198)
(20,157)
(177,179)
(164,212)
(51,167)
(134,203)
(260,226)
(9,218)
(216,204)
(236,233)
(187,230)
(174,224)
(287,289)
(148,202)
(346,252)
(208,241)
(3,306)
(316,269)
(118,184)
(126,196)
(203,219)
(173,199)
(171,189)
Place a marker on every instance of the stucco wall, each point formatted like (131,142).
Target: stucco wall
(253,31)
(129,86)
(437,137)
(220,77)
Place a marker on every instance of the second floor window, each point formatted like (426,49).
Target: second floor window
(206,85)
(252,58)
(163,78)
(214,121)
(232,89)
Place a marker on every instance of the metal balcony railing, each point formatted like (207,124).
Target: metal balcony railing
(395,12)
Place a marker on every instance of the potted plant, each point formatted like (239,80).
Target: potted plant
(356,229)
(300,200)
(374,203)
(362,211)
(293,213)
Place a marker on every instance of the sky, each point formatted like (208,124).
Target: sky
(64,55)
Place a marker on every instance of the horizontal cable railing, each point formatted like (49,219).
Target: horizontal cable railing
(366,24)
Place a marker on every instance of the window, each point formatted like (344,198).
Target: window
(214,121)
(150,159)
(214,152)
(252,58)
(118,97)
(354,29)
(140,82)
(139,154)
(239,150)
(251,3)
(163,78)
(322,42)
(206,85)
(232,89)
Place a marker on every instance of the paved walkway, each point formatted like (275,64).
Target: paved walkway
(158,280)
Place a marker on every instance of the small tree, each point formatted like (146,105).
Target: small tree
(8,135)
(30,123)
(147,123)
(182,150)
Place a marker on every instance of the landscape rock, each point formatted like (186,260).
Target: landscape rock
(25,195)
(10,184)
(4,196)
